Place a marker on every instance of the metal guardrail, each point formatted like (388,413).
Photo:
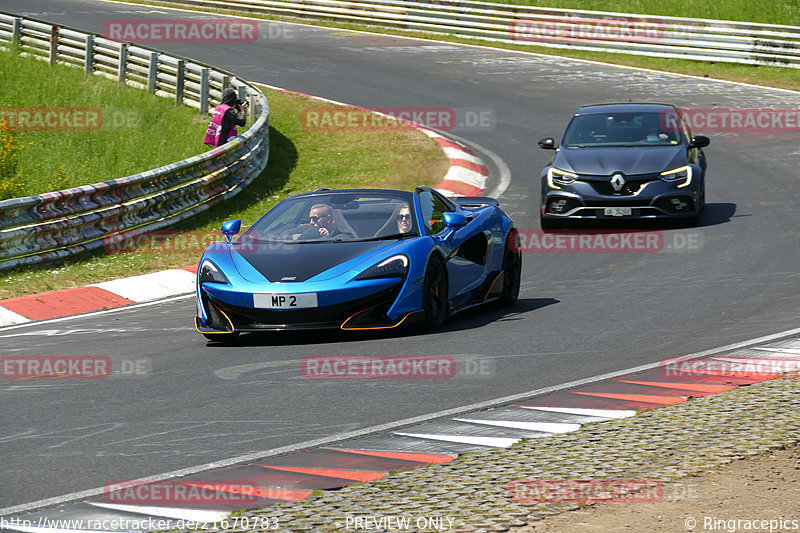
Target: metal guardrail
(674,37)
(58,224)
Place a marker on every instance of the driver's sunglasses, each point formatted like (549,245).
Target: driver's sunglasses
(314,218)
(403,217)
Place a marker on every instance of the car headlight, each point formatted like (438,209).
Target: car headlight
(210,272)
(683,174)
(561,177)
(394,267)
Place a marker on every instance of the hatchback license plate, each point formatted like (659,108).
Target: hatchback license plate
(618,211)
(285,301)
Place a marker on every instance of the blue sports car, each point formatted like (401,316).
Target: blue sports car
(358,259)
(618,161)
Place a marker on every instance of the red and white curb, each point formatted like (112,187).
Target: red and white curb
(293,475)
(467,174)
(99,296)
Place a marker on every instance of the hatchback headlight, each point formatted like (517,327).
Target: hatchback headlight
(676,175)
(561,177)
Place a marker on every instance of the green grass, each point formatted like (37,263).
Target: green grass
(774,12)
(133,126)
(301,159)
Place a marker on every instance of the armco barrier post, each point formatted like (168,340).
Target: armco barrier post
(179,82)
(242,96)
(16,29)
(204,76)
(88,66)
(152,73)
(53,45)
(122,69)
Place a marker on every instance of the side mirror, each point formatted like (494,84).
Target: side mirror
(548,143)
(699,141)
(455,220)
(231,228)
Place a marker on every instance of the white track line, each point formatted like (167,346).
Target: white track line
(491,442)
(544,427)
(599,413)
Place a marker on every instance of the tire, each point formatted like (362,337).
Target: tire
(435,302)
(512,270)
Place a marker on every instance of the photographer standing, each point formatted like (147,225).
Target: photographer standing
(227,115)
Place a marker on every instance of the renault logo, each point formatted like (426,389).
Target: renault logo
(617,181)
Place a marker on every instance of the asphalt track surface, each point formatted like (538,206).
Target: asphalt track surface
(579,314)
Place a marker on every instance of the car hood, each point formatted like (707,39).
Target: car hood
(298,262)
(627,160)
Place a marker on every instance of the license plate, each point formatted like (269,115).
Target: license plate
(285,301)
(618,211)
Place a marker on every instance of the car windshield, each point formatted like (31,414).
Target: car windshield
(623,129)
(337,217)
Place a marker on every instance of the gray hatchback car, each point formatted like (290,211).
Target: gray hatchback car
(624,161)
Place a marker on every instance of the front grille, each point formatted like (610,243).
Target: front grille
(629,189)
(617,203)
(331,316)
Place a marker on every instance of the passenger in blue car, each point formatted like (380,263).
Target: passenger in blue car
(404,223)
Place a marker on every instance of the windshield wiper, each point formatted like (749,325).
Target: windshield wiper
(393,236)
(313,241)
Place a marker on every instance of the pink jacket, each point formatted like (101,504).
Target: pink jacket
(215,127)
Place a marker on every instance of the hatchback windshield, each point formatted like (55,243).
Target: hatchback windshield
(623,129)
(338,216)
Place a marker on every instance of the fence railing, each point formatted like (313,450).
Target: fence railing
(57,224)
(711,40)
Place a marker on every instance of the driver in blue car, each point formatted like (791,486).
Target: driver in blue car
(321,216)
